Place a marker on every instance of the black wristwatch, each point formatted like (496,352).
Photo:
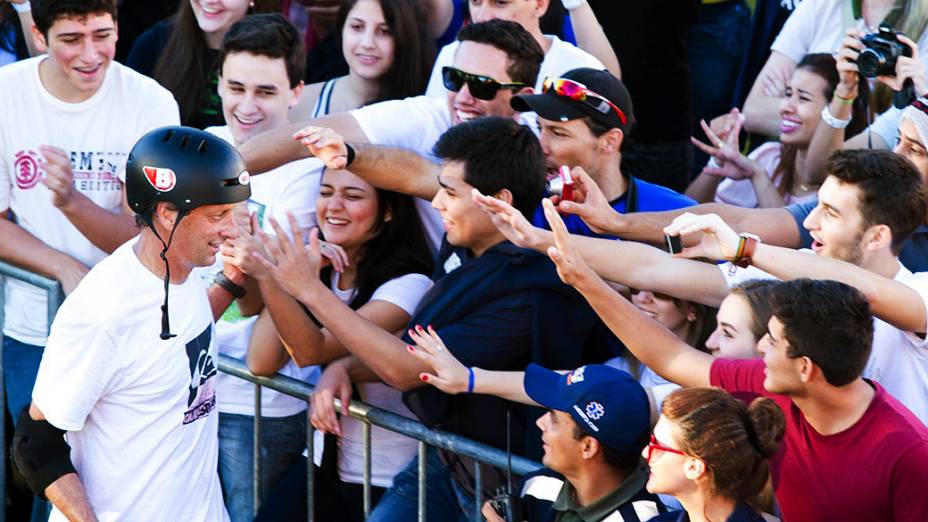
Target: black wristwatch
(237,291)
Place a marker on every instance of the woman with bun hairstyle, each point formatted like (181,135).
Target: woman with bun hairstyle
(711,452)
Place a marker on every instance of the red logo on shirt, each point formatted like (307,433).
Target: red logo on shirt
(162,179)
(27,171)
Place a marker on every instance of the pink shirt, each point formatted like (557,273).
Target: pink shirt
(876,470)
(741,192)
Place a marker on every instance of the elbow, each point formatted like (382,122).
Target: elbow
(261,370)
(399,380)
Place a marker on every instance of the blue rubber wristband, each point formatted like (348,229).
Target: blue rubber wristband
(470,380)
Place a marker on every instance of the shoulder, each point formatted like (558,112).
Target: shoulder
(138,87)
(652,197)
(570,55)
(18,71)
(738,374)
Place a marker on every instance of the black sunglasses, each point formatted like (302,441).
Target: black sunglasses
(480,87)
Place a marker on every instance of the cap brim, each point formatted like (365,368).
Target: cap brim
(546,388)
(554,108)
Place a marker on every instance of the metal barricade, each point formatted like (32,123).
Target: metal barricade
(482,454)
(55,297)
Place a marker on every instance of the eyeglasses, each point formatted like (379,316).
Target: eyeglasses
(654,445)
(578,92)
(480,87)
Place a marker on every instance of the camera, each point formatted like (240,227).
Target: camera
(505,506)
(881,52)
(562,184)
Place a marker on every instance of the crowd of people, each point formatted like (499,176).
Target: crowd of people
(677,252)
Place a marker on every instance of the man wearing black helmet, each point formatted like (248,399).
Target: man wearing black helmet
(122,425)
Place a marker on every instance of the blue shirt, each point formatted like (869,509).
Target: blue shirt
(742,513)
(641,196)
(914,254)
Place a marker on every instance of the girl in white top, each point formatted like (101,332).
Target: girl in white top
(381,272)
(386,45)
(775,173)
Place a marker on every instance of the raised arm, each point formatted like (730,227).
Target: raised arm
(891,301)
(273,148)
(652,343)
(389,168)
(762,106)
(632,264)
(591,37)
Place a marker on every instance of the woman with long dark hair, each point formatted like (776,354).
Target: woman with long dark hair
(388,50)
(182,53)
(775,173)
(381,272)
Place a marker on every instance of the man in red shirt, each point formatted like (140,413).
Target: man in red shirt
(851,451)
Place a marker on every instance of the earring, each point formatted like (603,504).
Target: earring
(251,5)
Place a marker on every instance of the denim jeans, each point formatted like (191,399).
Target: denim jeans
(20,367)
(444,501)
(716,43)
(283,440)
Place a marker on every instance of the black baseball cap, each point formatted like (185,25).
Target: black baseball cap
(552,106)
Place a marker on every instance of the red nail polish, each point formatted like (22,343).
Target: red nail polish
(425,378)
(409,348)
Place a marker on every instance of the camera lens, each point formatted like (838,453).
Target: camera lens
(870,62)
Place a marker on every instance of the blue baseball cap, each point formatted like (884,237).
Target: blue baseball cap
(607,403)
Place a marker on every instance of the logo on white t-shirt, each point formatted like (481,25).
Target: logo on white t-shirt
(202,398)
(162,179)
(27,169)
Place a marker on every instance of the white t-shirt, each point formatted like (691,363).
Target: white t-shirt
(390,452)
(898,359)
(560,58)
(291,187)
(98,133)
(741,192)
(138,410)
(818,26)
(411,123)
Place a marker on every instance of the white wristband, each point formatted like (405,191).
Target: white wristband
(24,7)
(572,4)
(831,121)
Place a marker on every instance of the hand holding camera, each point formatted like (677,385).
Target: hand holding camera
(887,55)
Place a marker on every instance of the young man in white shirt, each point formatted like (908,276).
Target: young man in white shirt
(122,425)
(260,79)
(69,120)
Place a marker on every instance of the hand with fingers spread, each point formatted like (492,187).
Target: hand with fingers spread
(589,203)
(59,178)
(448,374)
(727,154)
(719,242)
(292,266)
(510,222)
(571,267)
(325,144)
(244,250)
(333,384)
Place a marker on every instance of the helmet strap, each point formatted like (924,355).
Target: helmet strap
(165,321)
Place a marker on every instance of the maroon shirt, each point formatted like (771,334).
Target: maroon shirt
(875,470)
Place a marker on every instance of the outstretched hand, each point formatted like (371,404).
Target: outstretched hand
(719,242)
(571,267)
(510,222)
(292,266)
(589,203)
(448,374)
(726,151)
(325,144)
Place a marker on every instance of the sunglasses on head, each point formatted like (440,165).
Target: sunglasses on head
(654,445)
(578,92)
(480,87)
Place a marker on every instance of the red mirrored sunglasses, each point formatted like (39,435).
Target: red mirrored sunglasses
(578,92)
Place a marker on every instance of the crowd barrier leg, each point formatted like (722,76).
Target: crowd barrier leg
(422,456)
(256,449)
(310,470)
(478,491)
(367,469)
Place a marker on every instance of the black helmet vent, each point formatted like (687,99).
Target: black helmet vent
(184,140)
(202,148)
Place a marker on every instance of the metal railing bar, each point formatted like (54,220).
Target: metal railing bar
(310,469)
(478,490)
(256,454)
(422,479)
(367,469)
(397,423)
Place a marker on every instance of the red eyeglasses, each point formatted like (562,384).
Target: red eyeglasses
(578,92)
(654,445)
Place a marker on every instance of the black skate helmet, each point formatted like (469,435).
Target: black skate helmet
(187,168)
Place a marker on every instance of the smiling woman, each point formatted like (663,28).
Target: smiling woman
(387,47)
(181,53)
